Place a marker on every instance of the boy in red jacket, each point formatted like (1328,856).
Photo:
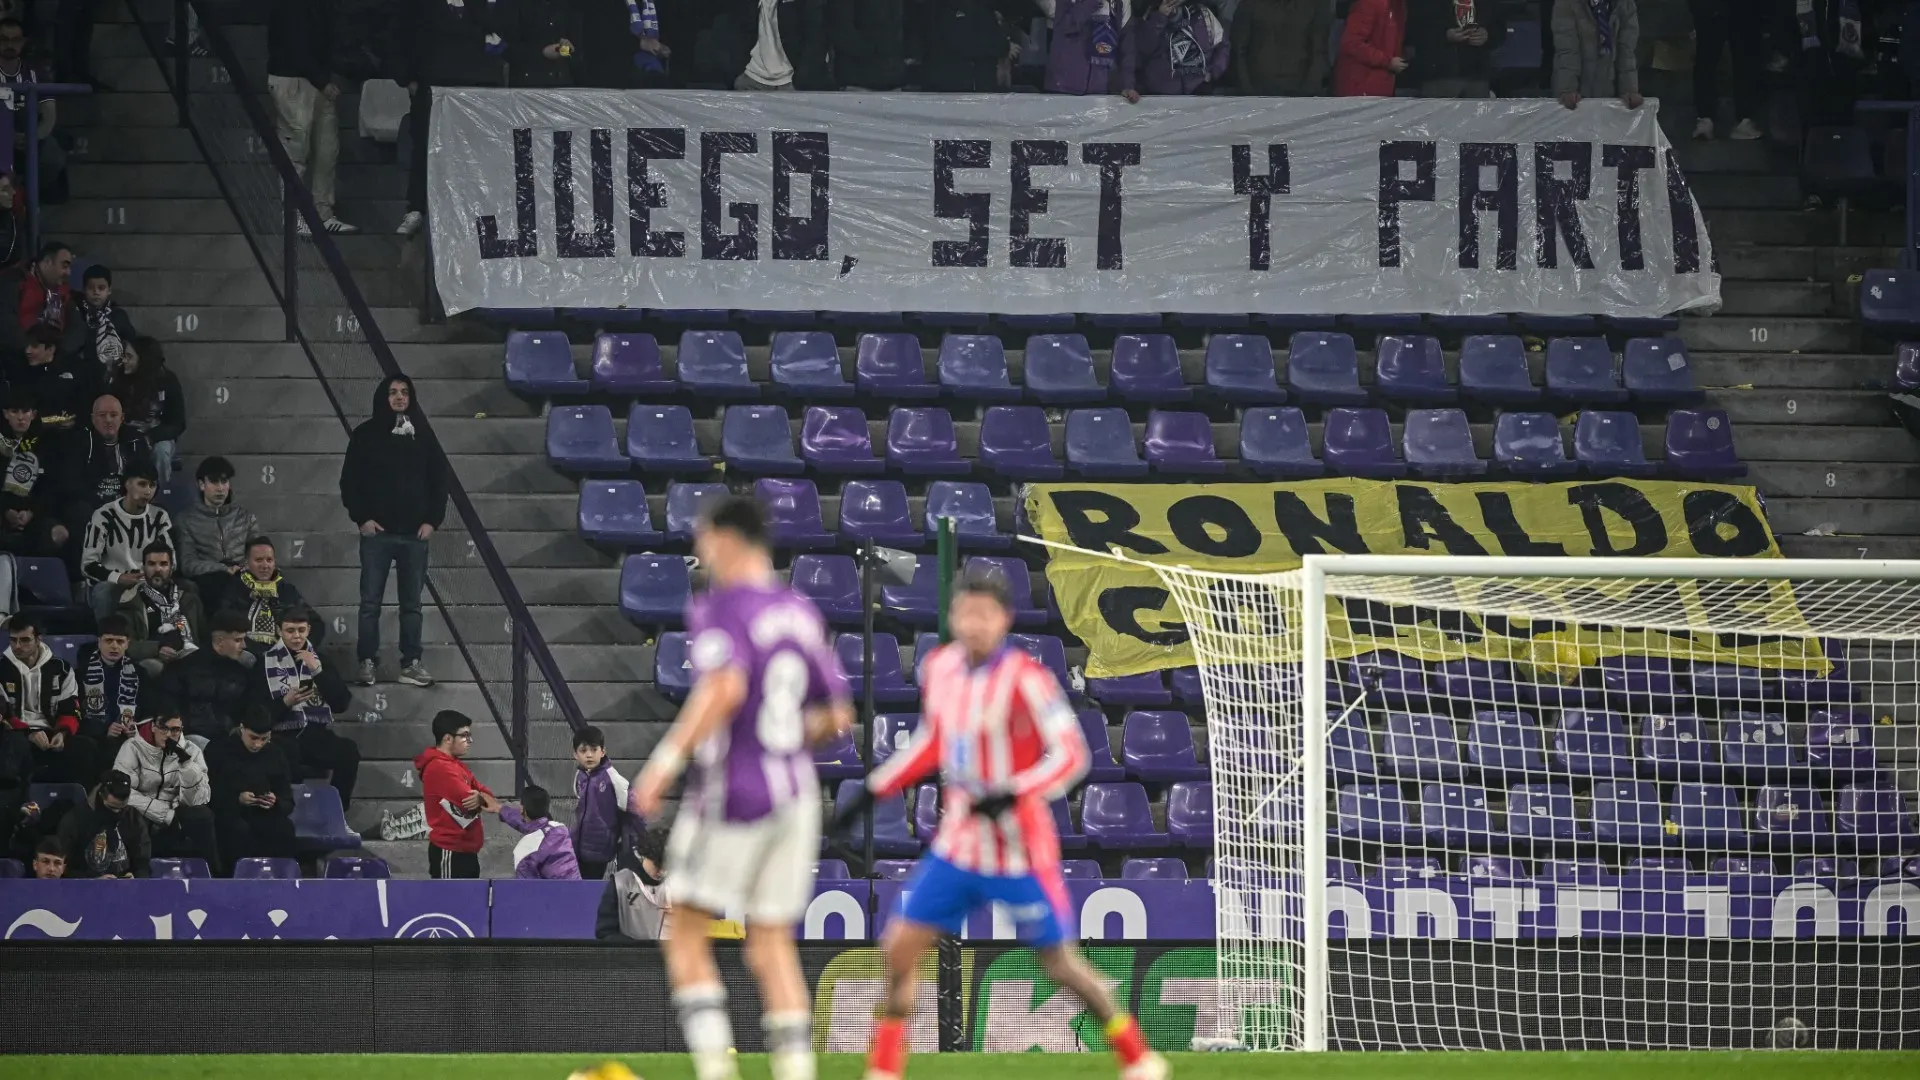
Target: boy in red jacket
(454,799)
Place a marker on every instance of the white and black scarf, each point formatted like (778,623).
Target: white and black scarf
(93,690)
(163,610)
(24,467)
(284,672)
(106,336)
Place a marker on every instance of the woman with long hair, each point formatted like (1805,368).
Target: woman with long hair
(150,394)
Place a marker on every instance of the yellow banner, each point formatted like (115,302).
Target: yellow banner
(1131,624)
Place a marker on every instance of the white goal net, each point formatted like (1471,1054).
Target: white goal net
(1563,803)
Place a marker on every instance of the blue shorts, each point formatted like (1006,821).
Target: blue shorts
(940,894)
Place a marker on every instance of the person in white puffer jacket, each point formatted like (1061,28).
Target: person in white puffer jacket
(171,789)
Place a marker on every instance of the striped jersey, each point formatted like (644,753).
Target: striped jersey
(1003,726)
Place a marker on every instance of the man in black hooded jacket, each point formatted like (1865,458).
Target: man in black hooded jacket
(394,486)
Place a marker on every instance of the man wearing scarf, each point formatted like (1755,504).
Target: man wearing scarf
(394,486)
(100,333)
(1085,46)
(302,696)
(112,697)
(1595,51)
(28,525)
(1177,49)
(163,614)
(261,593)
(1833,60)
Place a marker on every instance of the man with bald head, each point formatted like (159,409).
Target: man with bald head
(96,460)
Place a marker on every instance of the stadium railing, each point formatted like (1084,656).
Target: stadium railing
(329,318)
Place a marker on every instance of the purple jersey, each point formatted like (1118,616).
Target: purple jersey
(760,761)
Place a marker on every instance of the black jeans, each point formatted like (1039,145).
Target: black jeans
(1721,25)
(378,553)
(189,835)
(253,833)
(443,864)
(318,752)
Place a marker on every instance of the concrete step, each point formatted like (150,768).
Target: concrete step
(340,547)
(1792,371)
(394,702)
(1749,262)
(1854,408)
(1724,156)
(1851,547)
(131,215)
(319,474)
(559,625)
(123,39)
(260,399)
(578,663)
(1801,227)
(181,180)
(1868,517)
(1754,333)
(398,740)
(1724,191)
(1839,479)
(195,289)
(1775,298)
(263,323)
(217,252)
(167,144)
(467,584)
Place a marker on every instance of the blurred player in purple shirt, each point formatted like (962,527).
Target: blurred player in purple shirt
(766,686)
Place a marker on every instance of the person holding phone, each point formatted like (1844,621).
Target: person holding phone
(170,788)
(303,696)
(252,792)
(1453,46)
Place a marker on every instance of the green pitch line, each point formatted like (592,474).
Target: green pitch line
(1751,1065)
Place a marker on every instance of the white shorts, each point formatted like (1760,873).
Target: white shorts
(760,871)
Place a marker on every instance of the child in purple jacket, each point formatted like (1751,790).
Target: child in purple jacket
(545,853)
(600,813)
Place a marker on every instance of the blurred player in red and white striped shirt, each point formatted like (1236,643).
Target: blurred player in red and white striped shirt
(998,727)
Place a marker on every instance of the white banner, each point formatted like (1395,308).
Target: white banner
(1036,204)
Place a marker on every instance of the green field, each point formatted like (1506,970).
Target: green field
(1429,1066)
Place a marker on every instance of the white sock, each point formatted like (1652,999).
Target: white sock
(709,1034)
(789,1044)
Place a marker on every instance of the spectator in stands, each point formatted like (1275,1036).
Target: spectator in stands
(100,333)
(544,47)
(445,44)
(789,45)
(966,47)
(113,554)
(252,792)
(1730,26)
(214,688)
(1453,45)
(215,532)
(61,385)
(113,691)
(13,226)
(303,697)
(545,850)
(1085,47)
(304,87)
(867,40)
(41,699)
(49,859)
(45,294)
(168,775)
(149,392)
(1280,47)
(15,71)
(28,525)
(600,814)
(1595,51)
(106,838)
(1178,47)
(164,614)
(1833,65)
(454,799)
(394,486)
(95,461)
(17,815)
(261,593)
(634,906)
(1372,49)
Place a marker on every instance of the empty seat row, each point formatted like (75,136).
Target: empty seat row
(654,590)
(1144,869)
(1740,873)
(616,512)
(1113,817)
(1156,747)
(1639,683)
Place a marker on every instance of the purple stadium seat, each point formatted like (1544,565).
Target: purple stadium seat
(1240,369)
(1370,813)
(684,503)
(672,670)
(1411,369)
(1359,442)
(1638,683)
(1116,817)
(1146,688)
(357,868)
(792,510)
(1592,743)
(832,582)
(1019,582)
(806,363)
(973,367)
(758,439)
(12,868)
(654,589)
(1834,873)
(1146,368)
(1674,748)
(1153,870)
(1728,683)
(1456,816)
(1049,651)
(67,646)
(970,507)
(1628,812)
(43,581)
(258,869)
(1349,751)
(838,758)
(1015,442)
(1539,813)
(877,510)
(1493,368)
(615,512)
(1899,866)
(1580,371)
(921,442)
(1070,837)
(836,870)
(541,362)
(1398,871)
(1059,370)
(660,439)
(1556,325)
(1586,870)
(1185,683)
(1274,443)
(1159,746)
(1709,816)
(1483,682)
(893,869)
(1787,818)
(690,316)
(1506,745)
(891,834)
(1081,869)
(1755,748)
(1439,445)
(1874,820)
(1390,680)
(890,366)
(629,365)
(1906,367)
(713,363)
(915,603)
(178,869)
(1530,444)
(1495,869)
(1889,299)
(890,685)
(1190,813)
(1419,747)
(1840,742)
(580,440)
(834,439)
(1746,874)
(1700,445)
(1181,443)
(891,733)
(1608,444)
(1093,725)
(1322,369)
(1100,444)
(1658,371)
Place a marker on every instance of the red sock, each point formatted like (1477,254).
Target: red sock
(1125,1038)
(888,1057)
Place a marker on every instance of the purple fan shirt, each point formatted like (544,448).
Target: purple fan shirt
(760,761)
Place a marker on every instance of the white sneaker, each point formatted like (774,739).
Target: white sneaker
(411,224)
(337,227)
(300,228)
(1703,128)
(1746,131)
(1151,1067)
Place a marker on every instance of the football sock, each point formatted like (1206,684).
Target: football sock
(888,1055)
(709,1034)
(789,1044)
(1125,1038)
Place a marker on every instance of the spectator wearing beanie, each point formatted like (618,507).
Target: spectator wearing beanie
(252,792)
(303,697)
(149,394)
(113,555)
(61,385)
(1085,47)
(545,850)
(261,593)
(215,687)
(102,329)
(214,532)
(95,461)
(1372,49)
(28,522)
(106,838)
(454,799)
(168,776)
(40,699)
(1280,47)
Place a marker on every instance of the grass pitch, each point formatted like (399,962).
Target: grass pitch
(1778,1065)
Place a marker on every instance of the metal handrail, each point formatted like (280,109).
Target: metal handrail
(34,92)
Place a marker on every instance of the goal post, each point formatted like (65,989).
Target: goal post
(1562,803)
